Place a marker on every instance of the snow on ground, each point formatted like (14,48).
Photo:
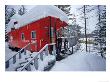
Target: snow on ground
(8,52)
(81,61)
(25,58)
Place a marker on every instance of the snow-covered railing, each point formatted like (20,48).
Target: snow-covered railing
(14,57)
(67,37)
(39,55)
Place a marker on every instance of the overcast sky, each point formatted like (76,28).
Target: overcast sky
(91,22)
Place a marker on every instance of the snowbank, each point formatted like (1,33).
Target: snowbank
(81,61)
(45,62)
(8,52)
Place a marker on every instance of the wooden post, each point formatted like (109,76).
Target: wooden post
(72,49)
(85,26)
(50,35)
(41,56)
(28,68)
(46,51)
(50,31)
(36,62)
(7,64)
(19,55)
(14,59)
(24,51)
(54,52)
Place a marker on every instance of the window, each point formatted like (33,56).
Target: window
(33,35)
(22,36)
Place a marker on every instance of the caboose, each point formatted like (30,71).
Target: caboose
(39,25)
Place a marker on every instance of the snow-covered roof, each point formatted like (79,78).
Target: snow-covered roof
(39,12)
(14,18)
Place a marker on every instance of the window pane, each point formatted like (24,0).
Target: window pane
(22,36)
(33,34)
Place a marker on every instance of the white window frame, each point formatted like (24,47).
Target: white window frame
(32,36)
(22,36)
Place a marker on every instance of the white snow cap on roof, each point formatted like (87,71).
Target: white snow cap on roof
(14,18)
(41,11)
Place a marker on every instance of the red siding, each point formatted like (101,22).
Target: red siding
(41,27)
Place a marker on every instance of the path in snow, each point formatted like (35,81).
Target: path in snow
(81,61)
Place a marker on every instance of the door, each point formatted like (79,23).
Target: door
(33,41)
(44,37)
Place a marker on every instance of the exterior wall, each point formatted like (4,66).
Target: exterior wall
(13,38)
(42,29)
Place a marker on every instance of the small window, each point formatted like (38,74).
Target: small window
(33,35)
(22,36)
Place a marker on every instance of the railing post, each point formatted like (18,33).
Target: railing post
(7,64)
(28,47)
(14,59)
(41,56)
(54,52)
(72,49)
(19,55)
(36,62)
(46,51)
(24,51)
(28,68)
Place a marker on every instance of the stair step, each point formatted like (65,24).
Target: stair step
(16,69)
(23,62)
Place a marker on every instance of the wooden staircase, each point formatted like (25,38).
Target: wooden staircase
(24,60)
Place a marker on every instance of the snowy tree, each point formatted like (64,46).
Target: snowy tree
(100,32)
(9,12)
(85,16)
(65,8)
(22,10)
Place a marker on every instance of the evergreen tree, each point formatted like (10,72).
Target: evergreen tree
(22,10)
(9,12)
(85,12)
(100,31)
(65,8)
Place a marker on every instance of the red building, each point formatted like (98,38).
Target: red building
(39,26)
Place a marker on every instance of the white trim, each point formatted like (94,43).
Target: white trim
(35,34)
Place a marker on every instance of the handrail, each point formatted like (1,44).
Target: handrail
(66,37)
(14,56)
(27,64)
(19,51)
